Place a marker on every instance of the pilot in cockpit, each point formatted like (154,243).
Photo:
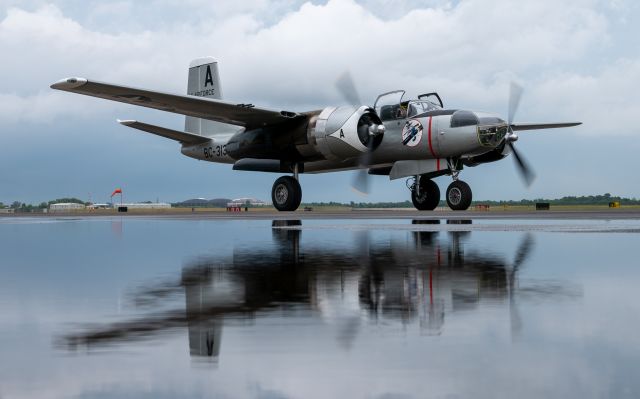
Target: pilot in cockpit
(401,111)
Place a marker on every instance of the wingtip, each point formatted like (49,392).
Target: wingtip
(126,122)
(68,83)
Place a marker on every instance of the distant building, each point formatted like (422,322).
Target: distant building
(7,210)
(145,205)
(219,202)
(249,201)
(100,206)
(203,203)
(66,207)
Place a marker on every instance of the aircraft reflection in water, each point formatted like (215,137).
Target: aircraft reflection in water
(419,280)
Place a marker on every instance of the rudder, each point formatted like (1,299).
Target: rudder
(204,81)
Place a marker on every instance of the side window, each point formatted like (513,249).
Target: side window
(388,112)
(416,108)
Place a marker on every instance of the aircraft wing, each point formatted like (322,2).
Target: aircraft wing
(182,137)
(245,115)
(537,126)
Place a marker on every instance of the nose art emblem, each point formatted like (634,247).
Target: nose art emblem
(412,133)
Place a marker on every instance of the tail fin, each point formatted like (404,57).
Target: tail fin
(204,81)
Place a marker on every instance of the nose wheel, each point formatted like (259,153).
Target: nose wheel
(459,195)
(286,194)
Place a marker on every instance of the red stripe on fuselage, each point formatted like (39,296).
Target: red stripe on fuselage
(431,146)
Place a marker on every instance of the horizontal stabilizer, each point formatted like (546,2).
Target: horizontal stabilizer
(182,137)
(537,126)
(245,115)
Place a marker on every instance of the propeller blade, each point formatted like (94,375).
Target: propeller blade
(527,174)
(514,316)
(368,129)
(347,88)
(360,181)
(515,94)
(524,250)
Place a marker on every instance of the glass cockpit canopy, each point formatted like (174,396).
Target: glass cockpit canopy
(391,105)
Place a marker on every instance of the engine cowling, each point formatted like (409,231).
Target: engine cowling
(340,133)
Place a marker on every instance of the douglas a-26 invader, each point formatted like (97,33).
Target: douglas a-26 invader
(417,139)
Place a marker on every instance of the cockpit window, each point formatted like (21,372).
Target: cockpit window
(387,112)
(419,107)
(390,112)
(415,108)
(397,111)
(463,118)
(405,109)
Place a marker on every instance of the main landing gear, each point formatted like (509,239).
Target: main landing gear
(286,194)
(425,194)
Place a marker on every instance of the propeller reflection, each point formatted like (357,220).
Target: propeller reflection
(421,279)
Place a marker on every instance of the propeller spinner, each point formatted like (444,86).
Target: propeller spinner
(370,131)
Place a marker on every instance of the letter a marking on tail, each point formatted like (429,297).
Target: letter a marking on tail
(208,79)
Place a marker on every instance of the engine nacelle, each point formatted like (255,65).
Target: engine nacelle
(340,133)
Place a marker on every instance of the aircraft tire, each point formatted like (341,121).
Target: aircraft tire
(459,196)
(286,194)
(429,197)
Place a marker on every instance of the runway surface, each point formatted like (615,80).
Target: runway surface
(602,214)
(411,214)
(209,302)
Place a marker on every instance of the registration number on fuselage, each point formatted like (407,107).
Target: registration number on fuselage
(215,151)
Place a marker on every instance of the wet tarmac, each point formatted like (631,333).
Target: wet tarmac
(354,214)
(287,308)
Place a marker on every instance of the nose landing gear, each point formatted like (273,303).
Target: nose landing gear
(459,195)
(425,193)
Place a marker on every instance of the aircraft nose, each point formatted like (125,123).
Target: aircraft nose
(492,129)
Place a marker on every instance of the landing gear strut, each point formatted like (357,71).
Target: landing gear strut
(458,193)
(425,194)
(286,193)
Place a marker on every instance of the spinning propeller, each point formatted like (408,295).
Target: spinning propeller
(524,250)
(527,174)
(370,127)
(368,130)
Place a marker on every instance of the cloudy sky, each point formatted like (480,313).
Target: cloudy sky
(577,59)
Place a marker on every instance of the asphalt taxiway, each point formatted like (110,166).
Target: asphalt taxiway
(412,214)
(599,214)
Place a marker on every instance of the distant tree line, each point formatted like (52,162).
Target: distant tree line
(603,199)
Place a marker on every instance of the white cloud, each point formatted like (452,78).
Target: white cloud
(577,60)
(468,51)
(606,102)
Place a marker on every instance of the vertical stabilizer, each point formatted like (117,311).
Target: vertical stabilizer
(204,81)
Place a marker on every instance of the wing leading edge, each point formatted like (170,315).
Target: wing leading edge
(245,115)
